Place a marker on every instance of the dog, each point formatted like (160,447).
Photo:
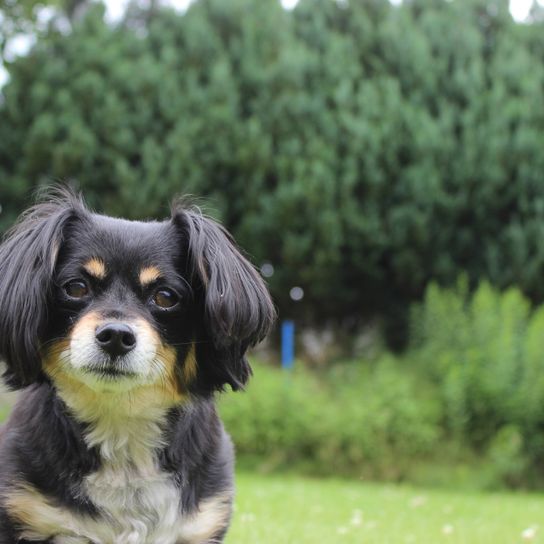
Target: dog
(118,334)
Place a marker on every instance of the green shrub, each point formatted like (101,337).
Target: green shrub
(372,422)
(464,404)
(484,353)
(507,461)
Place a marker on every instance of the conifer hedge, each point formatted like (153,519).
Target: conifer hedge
(363,149)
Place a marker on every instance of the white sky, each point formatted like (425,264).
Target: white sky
(518,8)
(115,8)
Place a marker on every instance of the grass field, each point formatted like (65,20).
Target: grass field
(291,510)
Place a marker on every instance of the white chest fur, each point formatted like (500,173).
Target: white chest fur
(138,502)
(137,505)
(139,521)
(137,511)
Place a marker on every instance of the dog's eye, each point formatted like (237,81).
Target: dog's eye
(76,289)
(165,298)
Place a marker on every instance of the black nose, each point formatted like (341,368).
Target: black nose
(115,339)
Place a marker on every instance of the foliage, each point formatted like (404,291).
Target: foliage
(466,400)
(484,353)
(362,148)
(374,423)
(27,18)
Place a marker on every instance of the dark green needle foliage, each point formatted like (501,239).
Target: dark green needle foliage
(361,148)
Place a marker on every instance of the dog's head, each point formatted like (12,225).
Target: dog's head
(116,305)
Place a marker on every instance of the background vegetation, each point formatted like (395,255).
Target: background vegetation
(363,149)
(463,405)
(373,154)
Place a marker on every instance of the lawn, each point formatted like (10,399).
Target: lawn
(292,510)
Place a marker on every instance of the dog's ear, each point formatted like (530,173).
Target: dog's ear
(236,309)
(27,263)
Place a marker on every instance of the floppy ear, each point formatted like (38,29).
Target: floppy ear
(27,262)
(236,308)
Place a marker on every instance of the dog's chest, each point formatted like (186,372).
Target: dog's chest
(138,504)
(137,501)
(138,508)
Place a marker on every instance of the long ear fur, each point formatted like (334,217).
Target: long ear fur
(27,262)
(237,309)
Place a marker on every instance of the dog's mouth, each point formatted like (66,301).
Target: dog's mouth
(109,372)
(109,376)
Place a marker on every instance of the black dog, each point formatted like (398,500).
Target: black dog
(120,332)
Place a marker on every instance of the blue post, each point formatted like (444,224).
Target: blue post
(287,344)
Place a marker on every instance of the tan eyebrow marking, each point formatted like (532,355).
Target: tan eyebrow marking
(95,267)
(149,274)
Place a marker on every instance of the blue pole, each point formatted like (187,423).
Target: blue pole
(287,344)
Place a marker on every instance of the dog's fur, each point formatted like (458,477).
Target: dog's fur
(121,448)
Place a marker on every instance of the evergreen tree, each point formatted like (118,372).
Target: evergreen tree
(361,148)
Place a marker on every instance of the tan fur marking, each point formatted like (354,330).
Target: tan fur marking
(190,365)
(170,385)
(212,515)
(149,274)
(52,361)
(96,268)
(52,355)
(39,518)
(89,321)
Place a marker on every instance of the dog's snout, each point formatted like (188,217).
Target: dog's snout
(115,339)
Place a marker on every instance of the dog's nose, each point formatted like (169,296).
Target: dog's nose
(115,339)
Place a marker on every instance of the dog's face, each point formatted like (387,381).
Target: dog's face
(118,305)
(123,310)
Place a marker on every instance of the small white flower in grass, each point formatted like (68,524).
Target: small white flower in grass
(529,533)
(357,517)
(418,501)
(447,529)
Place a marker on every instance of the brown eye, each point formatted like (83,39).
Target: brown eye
(76,289)
(165,298)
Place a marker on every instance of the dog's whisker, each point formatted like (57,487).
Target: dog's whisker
(187,343)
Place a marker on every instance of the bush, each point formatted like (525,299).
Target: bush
(484,353)
(465,403)
(372,422)
(359,145)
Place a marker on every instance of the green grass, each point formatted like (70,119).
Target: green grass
(292,510)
